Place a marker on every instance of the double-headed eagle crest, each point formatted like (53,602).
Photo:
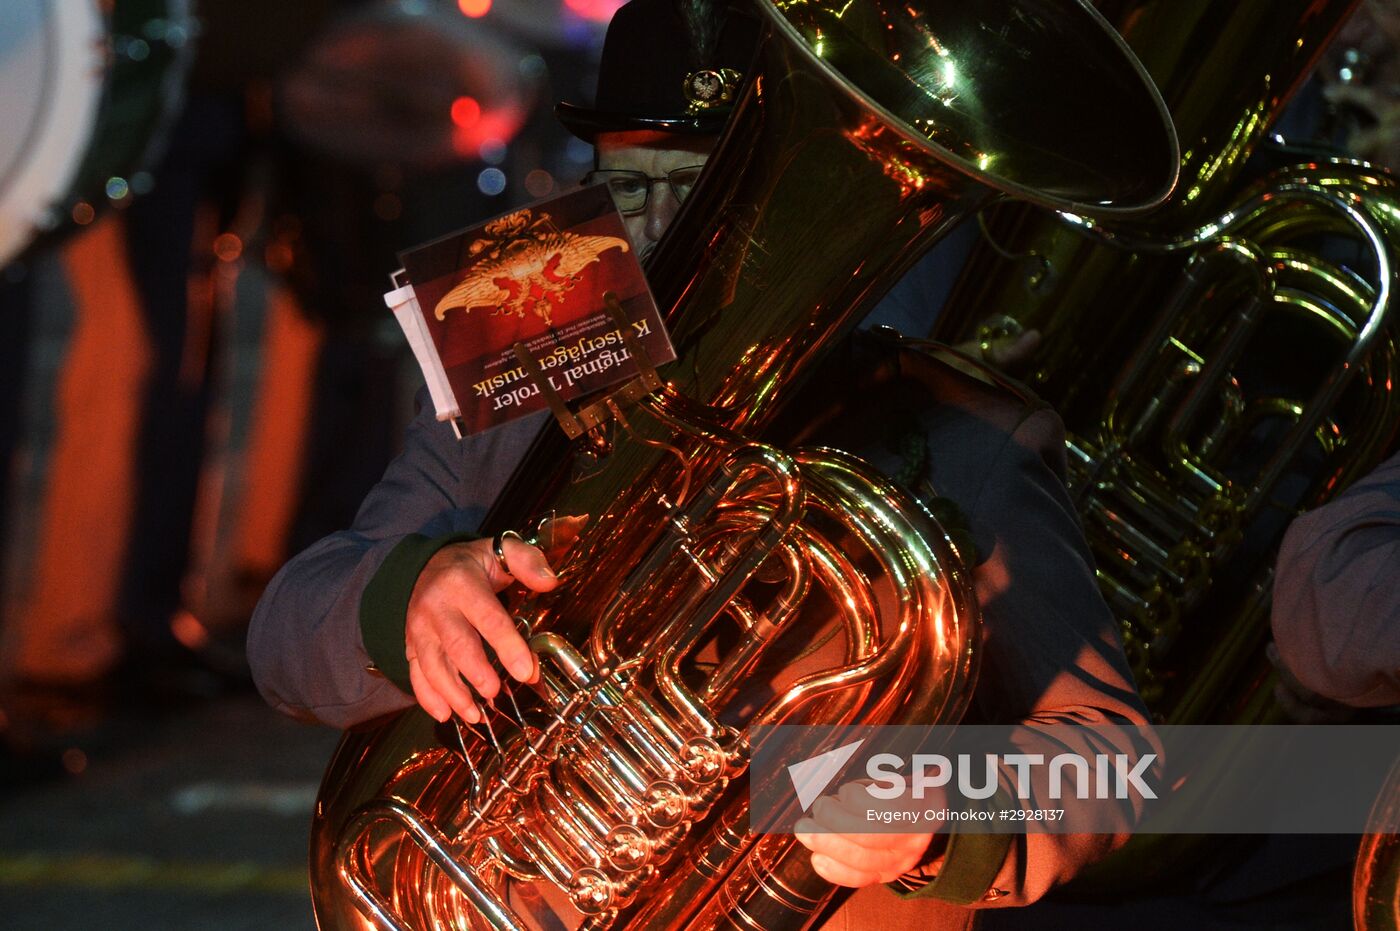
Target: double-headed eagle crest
(528,266)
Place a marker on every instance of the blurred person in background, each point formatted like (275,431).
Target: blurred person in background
(188,365)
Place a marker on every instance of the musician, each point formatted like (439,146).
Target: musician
(396,609)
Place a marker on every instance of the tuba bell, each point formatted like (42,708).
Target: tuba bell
(721,582)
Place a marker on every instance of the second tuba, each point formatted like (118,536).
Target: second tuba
(722,582)
(1221,362)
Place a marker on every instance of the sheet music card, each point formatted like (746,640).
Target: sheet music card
(536,276)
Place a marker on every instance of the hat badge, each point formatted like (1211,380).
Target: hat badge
(710,89)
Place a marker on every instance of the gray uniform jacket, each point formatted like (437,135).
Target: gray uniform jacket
(1050,651)
(1336,612)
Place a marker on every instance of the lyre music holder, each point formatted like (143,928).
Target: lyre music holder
(591,416)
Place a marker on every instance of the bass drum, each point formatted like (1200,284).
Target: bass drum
(91,88)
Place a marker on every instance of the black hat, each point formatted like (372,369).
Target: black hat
(668,65)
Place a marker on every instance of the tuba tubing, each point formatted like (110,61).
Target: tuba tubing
(1166,505)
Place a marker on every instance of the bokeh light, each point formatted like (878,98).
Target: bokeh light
(189,630)
(486,138)
(474,8)
(74,760)
(228,247)
(578,151)
(539,183)
(491,182)
(466,112)
(117,188)
(599,11)
(279,257)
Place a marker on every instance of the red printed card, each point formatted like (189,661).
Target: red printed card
(535,276)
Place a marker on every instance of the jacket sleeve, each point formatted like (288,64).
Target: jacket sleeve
(1051,655)
(1336,607)
(305,643)
(1052,652)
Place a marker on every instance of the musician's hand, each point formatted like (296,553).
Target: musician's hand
(844,849)
(1007,353)
(453,609)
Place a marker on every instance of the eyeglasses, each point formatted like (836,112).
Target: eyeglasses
(632,189)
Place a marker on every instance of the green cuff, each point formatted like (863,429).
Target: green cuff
(384,603)
(971,863)
(970,866)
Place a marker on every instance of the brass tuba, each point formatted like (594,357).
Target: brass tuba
(1222,363)
(1217,371)
(1226,68)
(722,582)
(1375,886)
(1217,428)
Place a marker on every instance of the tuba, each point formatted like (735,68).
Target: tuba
(1253,378)
(1194,435)
(722,582)
(1207,445)
(1375,886)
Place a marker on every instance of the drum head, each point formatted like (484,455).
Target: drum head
(52,67)
(92,88)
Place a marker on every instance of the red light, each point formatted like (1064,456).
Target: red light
(599,11)
(497,125)
(465,111)
(228,247)
(474,8)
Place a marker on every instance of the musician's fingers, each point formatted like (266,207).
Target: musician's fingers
(462,645)
(854,811)
(428,698)
(483,609)
(850,815)
(855,796)
(447,683)
(900,854)
(534,674)
(842,875)
(1008,352)
(527,565)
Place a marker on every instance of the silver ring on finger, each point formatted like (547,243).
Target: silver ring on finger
(498,547)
